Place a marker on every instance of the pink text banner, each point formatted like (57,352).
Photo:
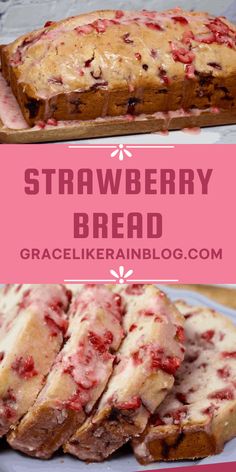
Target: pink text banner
(117,213)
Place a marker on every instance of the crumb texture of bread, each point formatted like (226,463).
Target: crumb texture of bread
(33,324)
(112,63)
(199,414)
(79,375)
(146,363)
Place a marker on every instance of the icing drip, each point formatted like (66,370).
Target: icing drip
(10,112)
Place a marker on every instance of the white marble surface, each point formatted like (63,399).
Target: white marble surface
(22,15)
(19,16)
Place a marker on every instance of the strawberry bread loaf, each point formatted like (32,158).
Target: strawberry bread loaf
(111,63)
(34,322)
(146,363)
(199,414)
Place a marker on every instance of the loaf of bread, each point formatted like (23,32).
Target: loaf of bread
(110,63)
(33,324)
(147,361)
(199,415)
(79,375)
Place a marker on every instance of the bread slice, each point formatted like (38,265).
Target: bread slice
(79,375)
(111,63)
(10,296)
(149,357)
(7,303)
(199,414)
(33,324)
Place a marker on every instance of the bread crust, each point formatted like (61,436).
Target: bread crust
(138,79)
(46,422)
(96,441)
(166,443)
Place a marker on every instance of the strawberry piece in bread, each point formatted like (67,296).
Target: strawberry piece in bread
(146,363)
(199,414)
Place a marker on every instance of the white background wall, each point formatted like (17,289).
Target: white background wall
(19,16)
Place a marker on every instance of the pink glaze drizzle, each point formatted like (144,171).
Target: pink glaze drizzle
(10,112)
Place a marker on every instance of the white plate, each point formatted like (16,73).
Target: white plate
(12,461)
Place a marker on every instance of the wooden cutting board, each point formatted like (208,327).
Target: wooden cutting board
(224,296)
(113,127)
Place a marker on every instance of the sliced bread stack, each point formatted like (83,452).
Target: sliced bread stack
(114,364)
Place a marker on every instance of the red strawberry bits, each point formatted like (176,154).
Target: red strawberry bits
(24,367)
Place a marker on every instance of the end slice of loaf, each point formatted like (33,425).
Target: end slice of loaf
(34,321)
(147,361)
(79,375)
(199,414)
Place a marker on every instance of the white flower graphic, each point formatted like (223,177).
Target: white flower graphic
(121,152)
(121,275)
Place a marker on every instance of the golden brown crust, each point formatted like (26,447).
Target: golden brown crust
(171,443)
(77,105)
(45,427)
(94,443)
(160,444)
(176,445)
